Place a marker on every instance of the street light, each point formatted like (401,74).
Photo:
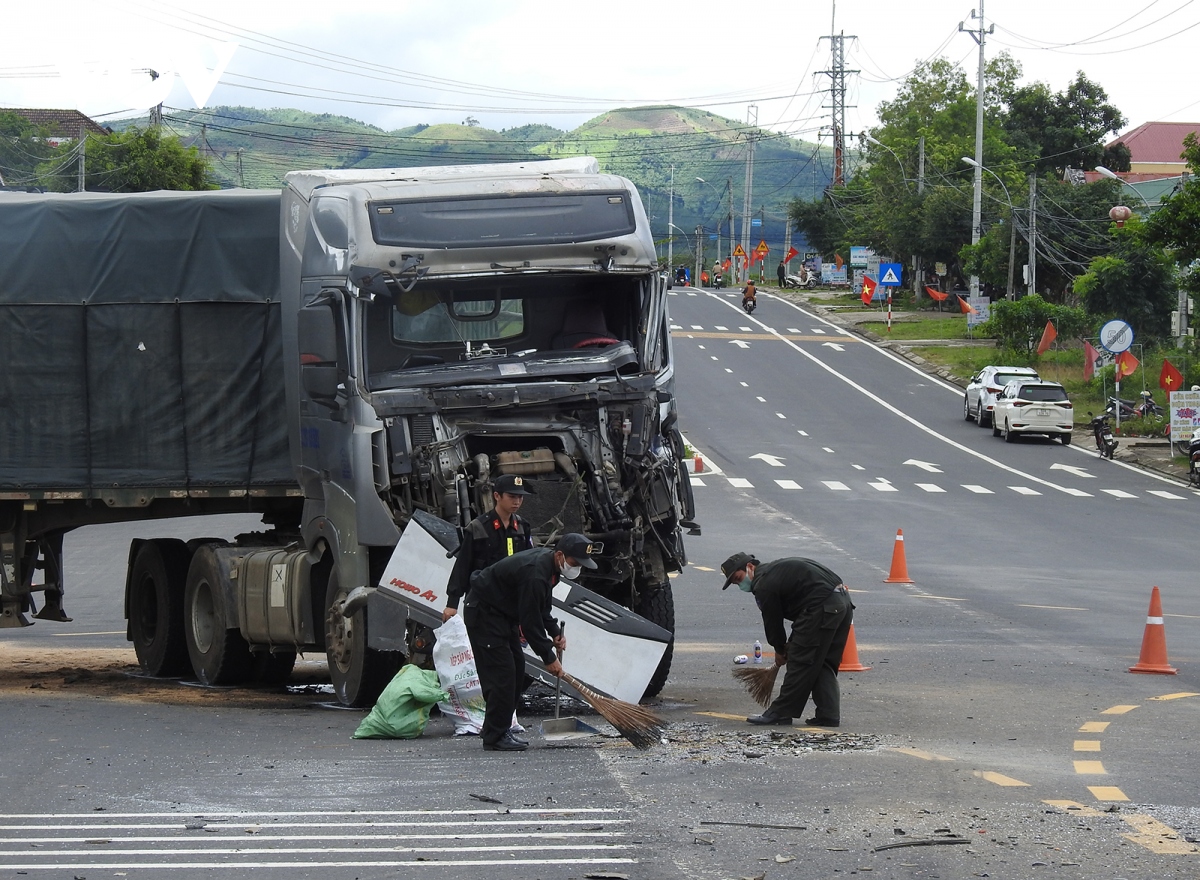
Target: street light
(903,173)
(718,192)
(1104,172)
(684,234)
(1012,211)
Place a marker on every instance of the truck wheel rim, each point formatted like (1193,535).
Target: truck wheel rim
(203,618)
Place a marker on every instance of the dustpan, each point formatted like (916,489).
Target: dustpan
(559,729)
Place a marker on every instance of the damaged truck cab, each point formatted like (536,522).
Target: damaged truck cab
(454,324)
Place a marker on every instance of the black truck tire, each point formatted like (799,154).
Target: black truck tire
(217,650)
(359,673)
(156,587)
(658,607)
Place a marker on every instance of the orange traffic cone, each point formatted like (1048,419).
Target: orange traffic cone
(899,573)
(1154,643)
(699,463)
(850,662)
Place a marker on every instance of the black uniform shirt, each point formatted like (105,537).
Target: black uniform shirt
(787,588)
(486,541)
(518,589)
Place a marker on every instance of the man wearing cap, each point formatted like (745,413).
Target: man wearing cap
(489,538)
(818,604)
(505,600)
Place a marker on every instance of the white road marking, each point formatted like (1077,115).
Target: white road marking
(697,327)
(1073,469)
(1170,496)
(978,490)
(772,460)
(740,483)
(794,330)
(882,485)
(924,465)
(818,330)
(696,481)
(719,327)
(761,399)
(744,384)
(858,467)
(701,347)
(802,433)
(788,484)
(746,329)
(728,370)
(1118,493)
(713,356)
(836,486)
(676,327)
(1024,490)
(827,449)
(930,487)
(781,415)
(835,346)
(740,343)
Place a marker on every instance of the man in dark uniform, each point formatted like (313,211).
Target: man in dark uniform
(818,604)
(505,600)
(489,538)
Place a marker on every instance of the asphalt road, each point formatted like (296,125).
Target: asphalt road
(996,734)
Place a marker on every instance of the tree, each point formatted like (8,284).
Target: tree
(23,146)
(133,161)
(1063,130)
(1135,282)
(1176,225)
(1018,325)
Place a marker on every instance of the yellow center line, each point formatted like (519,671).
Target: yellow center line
(724,715)
(1157,837)
(1074,808)
(1179,696)
(1118,710)
(1000,778)
(1107,793)
(1091,768)
(920,753)
(1094,726)
(762,337)
(1087,745)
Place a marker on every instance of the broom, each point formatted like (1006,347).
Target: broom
(759,681)
(640,726)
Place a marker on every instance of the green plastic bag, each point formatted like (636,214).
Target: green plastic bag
(402,710)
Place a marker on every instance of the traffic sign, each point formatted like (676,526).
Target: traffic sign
(738,252)
(1116,336)
(762,248)
(890,274)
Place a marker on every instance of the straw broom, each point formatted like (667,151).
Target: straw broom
(759,681)
(640,726)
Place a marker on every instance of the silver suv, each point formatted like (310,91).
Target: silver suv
(1032,407)
(979,399)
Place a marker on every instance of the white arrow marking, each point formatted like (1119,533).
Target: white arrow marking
(1070,468)
(925,465)
(740,343)
(772,460)
(833,345)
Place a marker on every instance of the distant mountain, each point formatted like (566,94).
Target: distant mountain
(255,148)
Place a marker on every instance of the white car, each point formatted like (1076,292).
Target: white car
(980,395)
(1033,407)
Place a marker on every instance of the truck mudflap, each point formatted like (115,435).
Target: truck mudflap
(610,648)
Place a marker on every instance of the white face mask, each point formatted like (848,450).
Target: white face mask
(570,572)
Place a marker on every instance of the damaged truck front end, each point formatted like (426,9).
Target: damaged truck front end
(454,325)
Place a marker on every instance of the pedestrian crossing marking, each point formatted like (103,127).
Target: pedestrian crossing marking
(696,481)
(1170,496)
(740,483)
(978,490)
(836,486)
(1118,493)
(788,484)
(1024,490)
(930,487)
(1078,493)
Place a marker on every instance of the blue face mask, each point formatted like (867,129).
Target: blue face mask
(745,586)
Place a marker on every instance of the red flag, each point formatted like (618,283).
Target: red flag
(1170,379)
(838,262)
(1089,360)
(1048,337)
(1126,364)
(937,295)
(726,264)
(791,253)
(868,290)
(966,307)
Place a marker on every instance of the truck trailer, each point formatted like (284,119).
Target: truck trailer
(362,349)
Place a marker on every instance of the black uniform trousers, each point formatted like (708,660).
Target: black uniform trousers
(814,653)
(500,662)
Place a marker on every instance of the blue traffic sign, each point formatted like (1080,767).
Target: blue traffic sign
(890,274)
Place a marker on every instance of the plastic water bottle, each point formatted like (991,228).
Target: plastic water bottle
(757,651)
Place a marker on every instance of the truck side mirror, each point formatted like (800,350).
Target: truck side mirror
(317,336)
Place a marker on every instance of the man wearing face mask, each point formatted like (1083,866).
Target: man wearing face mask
(818,604)
(505,600)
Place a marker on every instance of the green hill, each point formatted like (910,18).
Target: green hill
(255,148)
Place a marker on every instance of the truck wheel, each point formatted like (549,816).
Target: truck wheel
(359,673)
(658,607)
(272,668)
(218,652)
(156,588)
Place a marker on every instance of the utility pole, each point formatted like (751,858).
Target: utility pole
(752,136)
(699,256)
(837,96)
(1032,234)
(82,156)
(671,227)
(977,201)
(918,263)
(241,176)
(729,193)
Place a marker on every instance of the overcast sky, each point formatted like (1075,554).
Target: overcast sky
(509,63)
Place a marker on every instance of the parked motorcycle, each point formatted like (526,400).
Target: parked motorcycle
(1194,459)
(1106,443)
(1128,411)
(803,278)
(1148,409)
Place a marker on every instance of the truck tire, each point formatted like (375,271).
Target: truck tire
(658,607)
(272,668)
(359,674)
(218,652)
(156,587)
